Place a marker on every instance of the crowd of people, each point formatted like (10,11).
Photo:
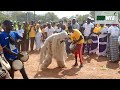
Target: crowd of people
(90,38)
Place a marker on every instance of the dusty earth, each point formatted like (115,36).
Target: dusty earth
(94,68)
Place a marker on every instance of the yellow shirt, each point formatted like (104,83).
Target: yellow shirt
(76,35)
(96,30)
(32,33)
(102,27)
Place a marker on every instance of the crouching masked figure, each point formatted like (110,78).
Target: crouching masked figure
(54,47)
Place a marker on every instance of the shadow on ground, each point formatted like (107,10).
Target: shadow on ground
(101,59)
(71,72)
(49,73)
(112,65)
(56,73)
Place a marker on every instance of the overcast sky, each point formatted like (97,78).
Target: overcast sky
(61,14)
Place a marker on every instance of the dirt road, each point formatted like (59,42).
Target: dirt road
(94,68)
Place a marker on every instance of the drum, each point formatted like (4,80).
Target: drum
(73,47)
(25,56)
(5,63)
(17,65)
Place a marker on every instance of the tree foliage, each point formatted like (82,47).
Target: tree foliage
(92,13)
(24,16)
(50,17)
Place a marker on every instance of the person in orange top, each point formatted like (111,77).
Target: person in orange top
(77,38)
(32,34)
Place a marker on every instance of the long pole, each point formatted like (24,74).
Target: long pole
(34,16)
(27,17)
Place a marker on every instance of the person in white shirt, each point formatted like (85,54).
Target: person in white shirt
(87,31)
(58,29)
(114,33)
(49,30)
(20,32)
(38,38)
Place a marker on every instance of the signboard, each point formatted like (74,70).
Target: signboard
(106,17)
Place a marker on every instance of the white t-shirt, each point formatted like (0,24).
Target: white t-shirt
(20,32)
(49,31)
(55,27)
(88,28)
(39,33)
(63,31)
(58,30)
(114,30)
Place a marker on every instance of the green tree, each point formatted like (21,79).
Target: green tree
(18,16)
(50,17)
(92,13)
(3,16)
(42,18)
(84,17)
(64,19)
(71,17)
(80,18)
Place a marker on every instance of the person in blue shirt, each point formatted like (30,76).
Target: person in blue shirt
(8,40)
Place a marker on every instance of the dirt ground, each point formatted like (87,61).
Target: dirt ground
(94,68)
